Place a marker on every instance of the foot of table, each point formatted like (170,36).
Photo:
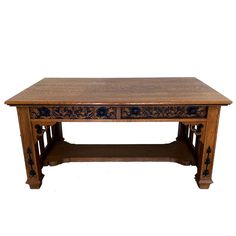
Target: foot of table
(36,184)
(203,184)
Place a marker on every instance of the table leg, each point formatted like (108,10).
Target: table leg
(33,164)
(207,150)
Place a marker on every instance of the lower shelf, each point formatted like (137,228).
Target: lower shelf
(176,151)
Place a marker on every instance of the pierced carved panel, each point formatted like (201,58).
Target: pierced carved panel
(207,162)
(73,112)
(30,163)
(152,112)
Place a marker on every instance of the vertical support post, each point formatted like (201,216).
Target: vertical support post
(191,137)
(199,141)
(182,132)
(40,139)
(49,138)
(57,132)
(206,149)
(32,161)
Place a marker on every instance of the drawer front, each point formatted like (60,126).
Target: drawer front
(117,112)
(158,112)
(73,112)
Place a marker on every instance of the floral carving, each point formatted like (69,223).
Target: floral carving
(149,112)
(32,172)
(73,112)
(108,112)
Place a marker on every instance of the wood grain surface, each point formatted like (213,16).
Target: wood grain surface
(119,91)
(177,151)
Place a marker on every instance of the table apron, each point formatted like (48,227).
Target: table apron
(118,113)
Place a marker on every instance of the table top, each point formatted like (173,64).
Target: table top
(119,91)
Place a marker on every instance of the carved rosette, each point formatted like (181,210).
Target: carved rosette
(115,112)
(152,112)
(73,112)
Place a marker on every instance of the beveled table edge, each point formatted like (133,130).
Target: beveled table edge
(221,102)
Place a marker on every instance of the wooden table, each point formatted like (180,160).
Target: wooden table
(44,106)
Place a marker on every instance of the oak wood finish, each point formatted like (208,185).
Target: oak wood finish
(44,106)
(119,91)
(174,152)
(32,161)
(208,141)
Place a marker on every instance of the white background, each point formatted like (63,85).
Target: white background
(108,38)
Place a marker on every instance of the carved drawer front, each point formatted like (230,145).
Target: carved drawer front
(73,112)
(152,112)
